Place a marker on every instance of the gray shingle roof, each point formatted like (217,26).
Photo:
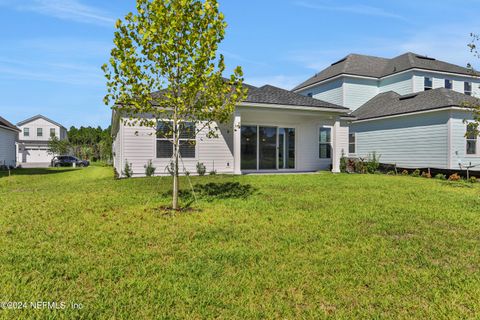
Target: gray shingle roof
(391,103)
(272,95)
(375,67)
(7,124)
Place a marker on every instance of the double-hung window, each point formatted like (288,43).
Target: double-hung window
(467,88)
(52,132)
(26,132)
(448,84)
(39,132)
(427,83)
(471,139)
(187,139)
(351,143)
(325,143)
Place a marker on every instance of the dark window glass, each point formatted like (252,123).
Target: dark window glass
(187,149)
(39,132)
(448,84)
(187,130)
(467,86)
(351,143)
(427,83)
(52,132)
(249,148)
(26,132)
(164,130)
(310,94)
(325,148)
(164,149)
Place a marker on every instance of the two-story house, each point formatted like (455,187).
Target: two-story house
(35,133)
(409,109)
(8,139)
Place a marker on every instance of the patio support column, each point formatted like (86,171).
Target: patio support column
(237,143)
(336,146)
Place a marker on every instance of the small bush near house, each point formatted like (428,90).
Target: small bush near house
(149,169)
(426,175)
(472,180)
(416,173)
(343,163)
(187,173)
(360,166)
(170,168)
(201,169)
(373,163)
(116,176)
(213,172)
(405,173)
(454,177)
(441,176)
(127,170)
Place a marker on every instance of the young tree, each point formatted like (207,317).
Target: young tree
(170,47)
(474,126)
(59,147)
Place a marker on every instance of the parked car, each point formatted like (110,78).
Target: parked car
(67,161)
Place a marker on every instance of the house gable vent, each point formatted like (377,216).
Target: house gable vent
(426,58)
(339,61)
(408,96)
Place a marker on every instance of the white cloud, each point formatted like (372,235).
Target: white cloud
(355,9)
(71,10)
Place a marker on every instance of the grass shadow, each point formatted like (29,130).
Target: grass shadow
(212,191)
(35,171)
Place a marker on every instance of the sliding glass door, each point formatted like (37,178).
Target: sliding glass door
(267,148)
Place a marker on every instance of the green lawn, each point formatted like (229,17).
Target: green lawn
(301,246)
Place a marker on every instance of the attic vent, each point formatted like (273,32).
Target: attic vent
(426,58)
(408,96)
(339,61)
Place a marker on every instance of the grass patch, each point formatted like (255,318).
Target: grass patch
(291,246)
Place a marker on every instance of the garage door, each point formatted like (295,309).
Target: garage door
(38,155)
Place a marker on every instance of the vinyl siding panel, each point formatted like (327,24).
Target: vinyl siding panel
(8,139)
(412,141)
(331,91)
(401,84)
(359,91)
(439,82)
(458,151)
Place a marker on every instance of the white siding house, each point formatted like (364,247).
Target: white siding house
(8,139)
(273,130)
(34,136)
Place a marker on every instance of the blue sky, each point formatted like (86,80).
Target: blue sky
(51,50)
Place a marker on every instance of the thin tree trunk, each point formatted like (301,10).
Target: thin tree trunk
(175,170)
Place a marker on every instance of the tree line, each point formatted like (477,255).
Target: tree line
(89,143)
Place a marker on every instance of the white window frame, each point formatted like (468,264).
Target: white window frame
(467,139)
(41,132)
(329,143)
(354,143)
(425,87)
(54,132)
(465,91)
(170,141)
(27,131)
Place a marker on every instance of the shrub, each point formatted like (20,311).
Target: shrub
(170,168)
(127,170)
(201,169)
(213,172)
(454,177)
(426,175)
(360,166)
(187,173)
(405,173)
(116,176)
(472,180)
(373,163)
(416,173)
(149,169)
(440,176)
(391,173)
(343,163)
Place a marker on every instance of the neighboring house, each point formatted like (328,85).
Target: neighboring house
(34,136)
(409,109)
(273,130)
(8,140)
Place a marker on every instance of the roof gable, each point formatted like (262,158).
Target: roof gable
(39,116)
(7,124)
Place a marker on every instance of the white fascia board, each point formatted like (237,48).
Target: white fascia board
(10,129)
(289,107)
(412,113)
